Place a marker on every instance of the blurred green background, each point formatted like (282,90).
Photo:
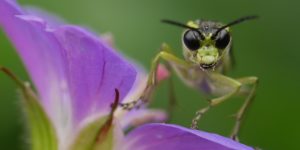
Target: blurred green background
(267,48)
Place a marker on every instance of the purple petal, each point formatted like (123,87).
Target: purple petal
(39,49)
(141,116)
(52,19)
(94,71)
(74,72)
(173,137)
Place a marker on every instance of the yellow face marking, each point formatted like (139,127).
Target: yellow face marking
(227,29)
(192,24)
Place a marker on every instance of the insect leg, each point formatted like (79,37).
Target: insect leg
(216,101)
(166,55)
(241,112)
(172,97)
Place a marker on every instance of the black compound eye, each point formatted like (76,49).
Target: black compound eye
(192,39)
(222,39)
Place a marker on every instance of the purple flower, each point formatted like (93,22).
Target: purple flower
(173,137)
(76,73)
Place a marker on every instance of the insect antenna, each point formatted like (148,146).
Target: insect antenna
(240,20)
(177,24)
(182,25)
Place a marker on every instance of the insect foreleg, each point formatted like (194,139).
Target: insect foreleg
(235,85)
(241,113)
(172,96)
(166,55)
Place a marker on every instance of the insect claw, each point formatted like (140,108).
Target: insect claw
(234,137)
(137,104)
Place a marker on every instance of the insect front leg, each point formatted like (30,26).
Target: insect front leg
(252,81)
(172,96)
(166,55)
(219,80)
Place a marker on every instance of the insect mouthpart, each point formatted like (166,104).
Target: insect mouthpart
(207,66)
(207,57)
